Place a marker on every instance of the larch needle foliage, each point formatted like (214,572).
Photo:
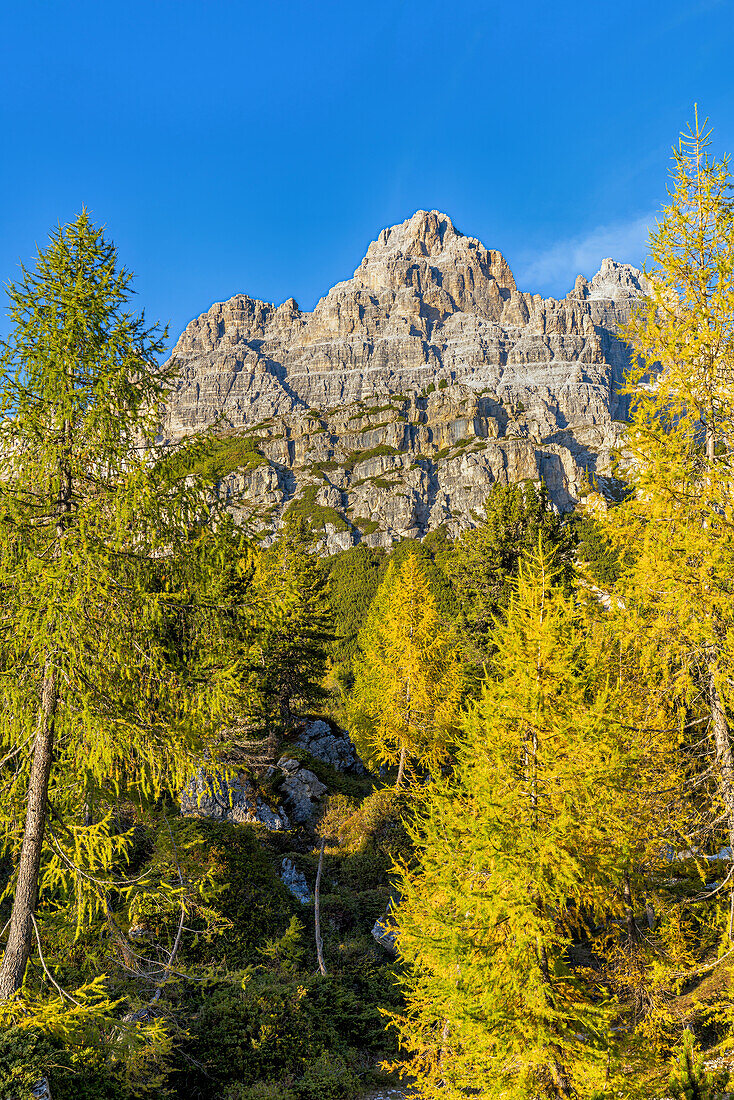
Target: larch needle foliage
(515,852)
(104,550)
(407,684)
(678,526)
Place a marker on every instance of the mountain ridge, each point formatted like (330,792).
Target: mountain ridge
(427,309)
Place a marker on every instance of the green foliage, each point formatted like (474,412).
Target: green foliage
(263,1029)
(216,456)
(232,453)
(353,582)
(690,1080)
(371,837)
(286,952)
(487,557)
(317,516)
(28,1054)
(274,1033)
(439,546)
(293,656)
(355,457)
(243,903)
(366,526)
(78,1042)
(596,549)
(327,1078)
(261,1090)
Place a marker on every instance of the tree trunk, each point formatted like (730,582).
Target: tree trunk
(272,746)
(629,912)
(722,749)
(317,911)
(401,768)
(560,1078)
(17,950)
(284,709)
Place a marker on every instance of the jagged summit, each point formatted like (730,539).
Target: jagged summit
(614,281)
(427,255)
(426,233)
(431,235)
(426,303)
(428,311)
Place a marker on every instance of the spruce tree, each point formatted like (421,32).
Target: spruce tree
(690,1080)
(486,558)
(104,543)
(294,655)
(407,684)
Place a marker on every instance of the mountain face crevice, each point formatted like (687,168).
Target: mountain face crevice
(392,407)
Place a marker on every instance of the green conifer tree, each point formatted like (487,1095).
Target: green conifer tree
(294,655)
(102,546)
(486,557)
(690,1080)
(407,685)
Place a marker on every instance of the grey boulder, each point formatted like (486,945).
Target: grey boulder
(301,790)
(226,796)
(336,749)
(385,928)
(295,881)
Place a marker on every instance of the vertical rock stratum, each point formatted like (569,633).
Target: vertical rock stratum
(392,407)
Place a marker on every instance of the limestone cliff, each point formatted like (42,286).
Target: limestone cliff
(410,388)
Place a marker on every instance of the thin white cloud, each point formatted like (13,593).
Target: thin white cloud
(554,270)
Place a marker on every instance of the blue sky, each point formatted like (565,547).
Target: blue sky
(237,145)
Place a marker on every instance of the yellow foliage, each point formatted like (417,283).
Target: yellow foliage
(407,682)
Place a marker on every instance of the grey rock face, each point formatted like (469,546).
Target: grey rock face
(335,749)
(385,931)
(301,790)
(530,386)
(224,797)
(41,1090)
(388,1093)
(295,881)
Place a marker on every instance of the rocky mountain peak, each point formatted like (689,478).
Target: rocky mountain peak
(427,233)
(394,405)
(427,255)
(618,281)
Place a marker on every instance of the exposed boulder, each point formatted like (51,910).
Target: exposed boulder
(301,790)
(385,930)
(295,880)
(336,749)
(225,796)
